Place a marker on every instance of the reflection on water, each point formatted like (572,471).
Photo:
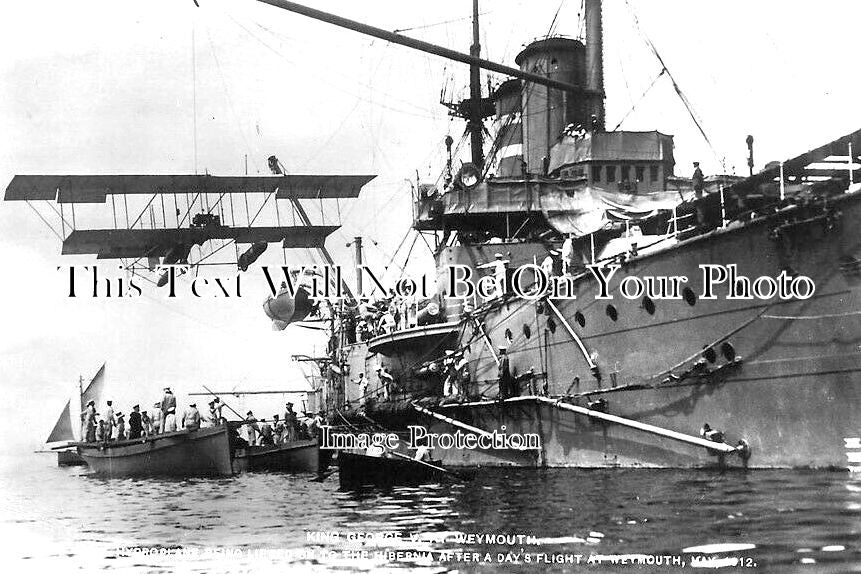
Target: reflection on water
(781,521)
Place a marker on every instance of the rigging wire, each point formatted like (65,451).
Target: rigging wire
(424,26)
(640,99)
(45,221)
(687,103)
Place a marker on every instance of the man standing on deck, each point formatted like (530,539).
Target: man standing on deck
(698,180)
(568,255)
(363,390)
(278,429)
(135,423)
(387,381)
(168,411)
(291,422)
(505,380)
(156,418)
(120,430)
(251,428)
(147,424)
(265,433)
(88,430)
(191,418)
(110,421)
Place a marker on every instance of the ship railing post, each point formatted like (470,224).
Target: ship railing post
(782,184)
(592,245)
(722,208)
(675,222)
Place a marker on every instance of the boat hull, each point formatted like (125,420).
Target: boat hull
(204,452)
(789,385)
(358,470)
(298,456)
(70,458)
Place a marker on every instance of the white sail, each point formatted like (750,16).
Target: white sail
(94,390)
(63,428)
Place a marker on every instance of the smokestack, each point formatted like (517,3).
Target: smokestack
(595,58)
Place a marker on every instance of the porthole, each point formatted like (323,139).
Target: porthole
(508,335)
(709,354)
(728,351)
(551,325)
(689,296)
(581,320)
(649,305)
(527,332)
(612,313)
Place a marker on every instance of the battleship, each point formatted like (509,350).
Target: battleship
(676,379)
(645,381)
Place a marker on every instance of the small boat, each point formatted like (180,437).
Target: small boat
(183,453)
(356,470)
(64,429)
(294,456)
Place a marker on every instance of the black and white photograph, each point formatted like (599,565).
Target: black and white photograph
(426,287)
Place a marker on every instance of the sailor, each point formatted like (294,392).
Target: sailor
(319,421)
(265,433)
(135,423)
(146,422)
(711,434)
(448,368)
(461,370)
(168,411)
(110,420)
(291,422)
(547,266)
(88,429)
(218,406)
(505,380)
(251,428)
(191,418)
(120,428)
(363,390)
(568,254)
(278,429)
(100,429)
(500,273)
(387,381)
(156,418)
(698,180)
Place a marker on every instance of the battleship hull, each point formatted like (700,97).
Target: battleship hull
(204,452)
(782,375)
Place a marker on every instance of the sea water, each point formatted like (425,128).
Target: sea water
(503,520)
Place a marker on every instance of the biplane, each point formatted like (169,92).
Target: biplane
(189,215)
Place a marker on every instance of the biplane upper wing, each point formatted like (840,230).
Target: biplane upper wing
(120,243)
(96,188)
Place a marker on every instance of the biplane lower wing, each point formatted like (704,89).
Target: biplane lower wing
(96,188)
(121,243)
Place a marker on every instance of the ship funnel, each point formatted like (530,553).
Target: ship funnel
(547,111)
(595,60)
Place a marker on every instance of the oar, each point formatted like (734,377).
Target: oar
(401,455)
(433,466)
(208,390)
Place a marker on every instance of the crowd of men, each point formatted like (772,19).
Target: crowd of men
(280,429)
(385,389)
(111,425)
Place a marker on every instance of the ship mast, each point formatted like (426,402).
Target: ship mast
(475,124)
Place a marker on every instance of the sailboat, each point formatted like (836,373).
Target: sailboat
(64,430)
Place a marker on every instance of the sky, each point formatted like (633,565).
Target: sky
(166,87)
